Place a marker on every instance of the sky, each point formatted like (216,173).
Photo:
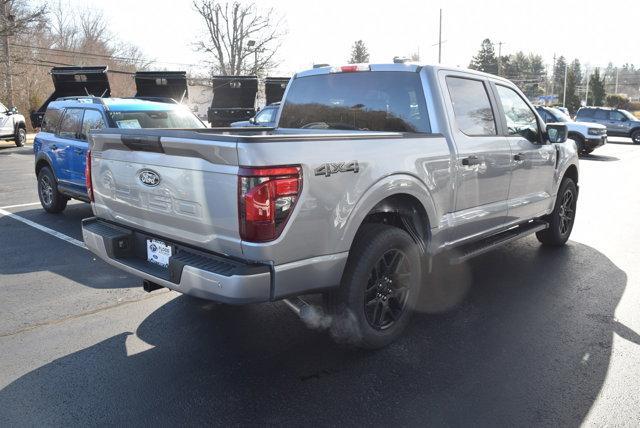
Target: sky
(323,31)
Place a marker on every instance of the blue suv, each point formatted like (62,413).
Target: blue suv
(619,123)
(60,147)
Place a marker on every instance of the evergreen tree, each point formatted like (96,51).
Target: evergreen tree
(577,71)
(486,59)
(596,88)
(558,76)
(359,53)
(573,100)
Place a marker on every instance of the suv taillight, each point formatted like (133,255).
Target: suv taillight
(87,176)
(266,198)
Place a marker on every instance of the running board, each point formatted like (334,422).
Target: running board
(465,252)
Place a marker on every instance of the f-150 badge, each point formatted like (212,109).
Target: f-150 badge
(332,168)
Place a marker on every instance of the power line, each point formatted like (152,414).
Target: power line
(47,63)
(96,55)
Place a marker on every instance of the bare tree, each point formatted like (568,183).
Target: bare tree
(15,17)
(241,38)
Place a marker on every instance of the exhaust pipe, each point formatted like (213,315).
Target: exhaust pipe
(149,286)
(297,305)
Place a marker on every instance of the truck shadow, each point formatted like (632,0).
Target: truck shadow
(525,340)
(601,158)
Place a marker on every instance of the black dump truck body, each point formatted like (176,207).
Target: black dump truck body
(74,81)
(274,88)
(163,86)
(234,99)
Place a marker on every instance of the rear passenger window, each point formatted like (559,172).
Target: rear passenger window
(616,115)
(602,115)
(92,121)
(519,117)
(70,124)
(471,106)
(51,120)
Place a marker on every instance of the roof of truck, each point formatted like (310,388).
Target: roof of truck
(403,66)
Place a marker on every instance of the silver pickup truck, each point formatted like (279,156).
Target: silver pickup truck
(372,171)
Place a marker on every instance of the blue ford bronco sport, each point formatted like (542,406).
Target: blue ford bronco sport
(60,147)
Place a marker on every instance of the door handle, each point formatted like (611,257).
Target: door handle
(471,160)
(519,157)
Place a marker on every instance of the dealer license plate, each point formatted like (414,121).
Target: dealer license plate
(158,252)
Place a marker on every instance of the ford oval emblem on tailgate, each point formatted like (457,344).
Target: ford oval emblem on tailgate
(149,178)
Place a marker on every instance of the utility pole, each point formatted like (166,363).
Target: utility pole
(586,94)
(440,39)
(7,23)
(500,57)
(617,72)
(553,75)
(564,95)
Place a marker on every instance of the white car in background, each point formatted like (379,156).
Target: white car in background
(588,136)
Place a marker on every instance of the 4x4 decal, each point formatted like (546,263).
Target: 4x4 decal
(332,168)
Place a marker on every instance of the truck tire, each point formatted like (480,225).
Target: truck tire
(563,216)
(51,200)
(635,136)
(378,290)
(21,136)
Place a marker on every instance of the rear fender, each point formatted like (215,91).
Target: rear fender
(384,188)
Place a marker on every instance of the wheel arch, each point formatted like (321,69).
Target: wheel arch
(572,173)
(575,133)
(41,161)
(403,211)
(400,200)
(19,124)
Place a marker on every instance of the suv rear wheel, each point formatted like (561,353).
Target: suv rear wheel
(635,136)
(52,200)
(379,287)
(563,216)
(21,137)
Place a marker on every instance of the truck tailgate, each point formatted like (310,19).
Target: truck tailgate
(179,186)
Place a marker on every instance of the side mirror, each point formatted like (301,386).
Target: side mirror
(557,133)
(624,119)
(252,121)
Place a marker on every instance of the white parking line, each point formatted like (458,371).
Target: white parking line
(20,205)
(43,228)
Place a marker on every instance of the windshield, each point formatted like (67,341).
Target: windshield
(364,101)
(559,115)
(178,119)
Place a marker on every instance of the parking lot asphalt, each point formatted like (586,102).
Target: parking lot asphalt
(521,336)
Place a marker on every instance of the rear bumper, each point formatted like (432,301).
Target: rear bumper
(190,271)
(211,276)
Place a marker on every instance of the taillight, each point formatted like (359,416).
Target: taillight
(87,176)
(266,198)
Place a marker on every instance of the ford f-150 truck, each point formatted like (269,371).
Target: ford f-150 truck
(372,170)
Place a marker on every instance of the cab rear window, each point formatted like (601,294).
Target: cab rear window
(364,101)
